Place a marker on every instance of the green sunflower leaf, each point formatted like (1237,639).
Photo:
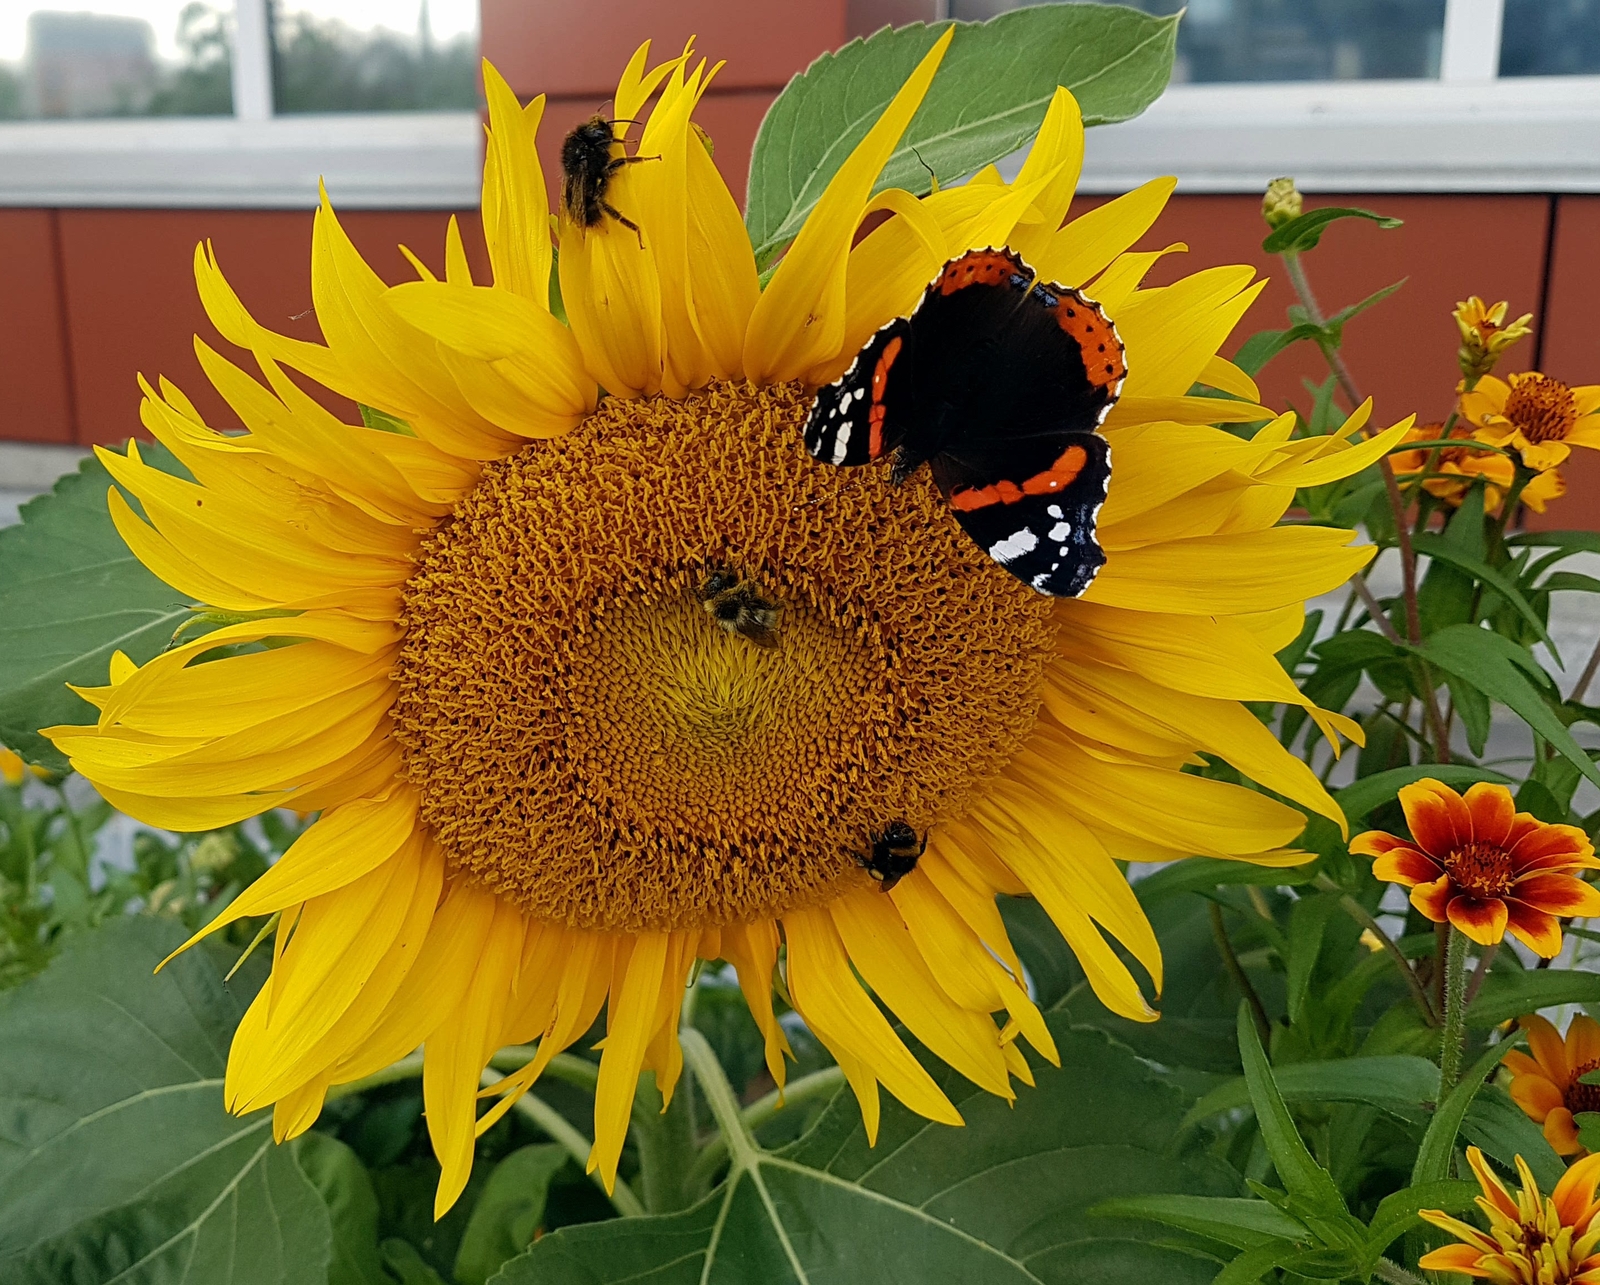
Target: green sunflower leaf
(1005,1199)
(988,100)
(117,1161)
(71,595)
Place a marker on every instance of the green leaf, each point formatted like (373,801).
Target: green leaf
(509,1211)
(1360,798)
(1232,1220)
(1264,345)
(1301,1175)
(384,422)
(987,100)
(1446,551)
(117,1161)
(1397,1212)
(1570,582)
(401,1258)
(346,1189)
(1500,1127)
(1307,923)
(1438,1144)
(1501,670)
(1200,874)
(1302,233)
(1255,1263)
(1509,993)
(71,595)
(1004,1199)
(1397,1083)
(1588,1123)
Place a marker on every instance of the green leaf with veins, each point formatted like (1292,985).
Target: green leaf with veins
(987,100)
(117,1162)
(1398,1084)
(71,595)
(1303,232)
(1004,1199)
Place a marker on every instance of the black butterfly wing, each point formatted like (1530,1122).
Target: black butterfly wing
(851,421)
(1042,530)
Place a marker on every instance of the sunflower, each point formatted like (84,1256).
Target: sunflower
(1547,1086)
(1540,1240)
(548,784)
(1454,469)
(1484,867)
(1541,417)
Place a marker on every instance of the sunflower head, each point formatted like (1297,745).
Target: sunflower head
(550,780)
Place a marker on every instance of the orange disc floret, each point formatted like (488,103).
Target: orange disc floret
(1478,863)
(1549,1085)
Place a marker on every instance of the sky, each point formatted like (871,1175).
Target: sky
(448,17)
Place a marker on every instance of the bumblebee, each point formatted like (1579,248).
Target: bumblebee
(894,854)
(587,168)
(738,606)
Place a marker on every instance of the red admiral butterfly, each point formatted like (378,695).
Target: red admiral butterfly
(997,381)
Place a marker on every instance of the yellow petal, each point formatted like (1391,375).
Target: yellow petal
(1058,150)
(629,1027)
(516,213)
(799,322)
(1088,244)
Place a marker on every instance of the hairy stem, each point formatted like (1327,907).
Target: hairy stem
(1455,1012)
(1485,962)
(1219,933)
(1386,1270)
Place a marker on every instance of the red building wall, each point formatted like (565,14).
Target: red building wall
(90,297)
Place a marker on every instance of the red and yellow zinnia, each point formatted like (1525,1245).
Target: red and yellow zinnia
(1548,1086)
(1481,865)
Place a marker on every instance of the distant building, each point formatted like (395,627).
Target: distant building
(89,64)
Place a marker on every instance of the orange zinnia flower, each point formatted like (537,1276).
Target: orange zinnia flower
(1546,1085)
(1531,1238)
(1485,867)
(1454,469)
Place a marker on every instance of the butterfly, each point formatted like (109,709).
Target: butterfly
(998,382)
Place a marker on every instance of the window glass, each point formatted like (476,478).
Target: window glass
(115,58)
(374,55)
(1550,38)
(1234,40)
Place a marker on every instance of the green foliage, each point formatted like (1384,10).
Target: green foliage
(909,1210)
(1304,232)
(72,595)
(987,101)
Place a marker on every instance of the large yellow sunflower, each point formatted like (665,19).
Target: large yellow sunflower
(548,783)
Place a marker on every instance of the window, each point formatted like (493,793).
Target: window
(1286,40)
(1551,38)
(120,58)
(361,56)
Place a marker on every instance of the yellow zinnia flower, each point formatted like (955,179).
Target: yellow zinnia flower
(1456,468)
(1485,334)
(548,783)
(1541,417)
(1540,1240)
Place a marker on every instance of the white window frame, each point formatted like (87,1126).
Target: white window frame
(1468,131)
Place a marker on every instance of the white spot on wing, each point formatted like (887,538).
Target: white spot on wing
(841,443)
(1060,531)
(1014,545)
(1055,511)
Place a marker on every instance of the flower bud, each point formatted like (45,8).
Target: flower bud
(1485,334)
(1281,203)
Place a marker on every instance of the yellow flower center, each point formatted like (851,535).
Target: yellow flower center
(1541,407)
(591,742)
(1481,869)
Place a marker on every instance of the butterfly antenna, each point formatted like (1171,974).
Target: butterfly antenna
(933,178)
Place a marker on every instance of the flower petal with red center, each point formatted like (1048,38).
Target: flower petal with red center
(1437,815)
(1483,920)
(1433,899)
(1492,810)
(1405,866)
(1529,843)
(1561,1132)
(1558,894)
(1521,1064)
(1536,1095)
(1538,931)
(1583,1040)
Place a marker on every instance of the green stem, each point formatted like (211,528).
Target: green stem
(1219,933)
(1455,1011)
(743,1149)
(818,1084)
(1386,1270)
(1364,917)
(560,1131)
(407,1068)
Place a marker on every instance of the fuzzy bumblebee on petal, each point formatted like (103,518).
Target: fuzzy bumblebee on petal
(550,783)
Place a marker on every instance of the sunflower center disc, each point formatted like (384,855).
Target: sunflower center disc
(1543,408)
(589,743)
